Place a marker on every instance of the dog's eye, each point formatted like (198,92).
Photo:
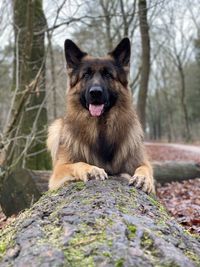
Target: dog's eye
(86,75)
(108,75)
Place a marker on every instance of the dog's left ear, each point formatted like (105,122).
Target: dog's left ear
(122,52)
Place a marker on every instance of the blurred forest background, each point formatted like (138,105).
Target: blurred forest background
(33,70)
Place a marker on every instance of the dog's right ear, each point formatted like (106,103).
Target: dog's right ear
(73,54)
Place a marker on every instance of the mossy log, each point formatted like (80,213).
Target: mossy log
(100,223)
(164,172)
(23,187)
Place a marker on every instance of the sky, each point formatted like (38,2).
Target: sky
(50,8)
(74,8)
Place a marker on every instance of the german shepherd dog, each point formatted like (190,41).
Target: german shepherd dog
(100,134)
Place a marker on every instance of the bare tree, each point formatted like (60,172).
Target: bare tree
(26,132)
(180,56)
(145,69)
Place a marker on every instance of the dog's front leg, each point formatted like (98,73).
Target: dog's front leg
(63,173)
(143,178)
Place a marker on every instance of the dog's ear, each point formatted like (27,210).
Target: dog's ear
(73,54)
(122,52)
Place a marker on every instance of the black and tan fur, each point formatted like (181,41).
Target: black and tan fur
(86,147)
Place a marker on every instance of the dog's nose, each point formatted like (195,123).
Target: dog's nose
(96,91)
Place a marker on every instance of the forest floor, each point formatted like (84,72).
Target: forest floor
(182,200)
(176,152)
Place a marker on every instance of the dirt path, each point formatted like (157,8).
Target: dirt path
(189,148)
(173,151)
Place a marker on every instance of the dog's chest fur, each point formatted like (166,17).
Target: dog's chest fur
(102,144)
(105,148)
(111,142)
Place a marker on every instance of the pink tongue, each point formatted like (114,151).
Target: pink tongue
(96,110)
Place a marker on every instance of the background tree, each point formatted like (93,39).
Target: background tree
(24,138)
(145,69)
(27,133)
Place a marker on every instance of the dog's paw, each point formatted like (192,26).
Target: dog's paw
(94,173)
(97,173)
(143,183)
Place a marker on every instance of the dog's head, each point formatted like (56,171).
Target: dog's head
(97,81)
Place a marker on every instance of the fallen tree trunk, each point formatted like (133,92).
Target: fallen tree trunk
(17,191)
(164,172)
(175,171)
(101,223)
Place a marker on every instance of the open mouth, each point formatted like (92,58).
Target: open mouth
(96,110)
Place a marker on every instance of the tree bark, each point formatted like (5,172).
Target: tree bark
(101,223)
(145,69)
(25,135)
(22,188)
(183,101)
(53,76)
(28,134)
(18,192)
(105,7)
(164,172)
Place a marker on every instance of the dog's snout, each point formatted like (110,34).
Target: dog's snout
(96,91)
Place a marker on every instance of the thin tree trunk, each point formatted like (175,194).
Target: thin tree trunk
(183,103)
(145,40)
(53,77)
(158,117)
(169,120)
(124,17)
(104,6)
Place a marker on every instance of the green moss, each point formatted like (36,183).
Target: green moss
(192,256)
(6,239)
(58,207)
(79,186)
(119,262)
(80,239)
(87,238)
(101,223)
(123,209)
(53,233)
(133,191)
(167,264)
(107,254)
(3,247)
(164,216)
(146,241)
(110,243)
(86,201)
(159,205)
(131,230)
(156,203)
(161,221)
(193,235)
(76,257)
(126,203)
(51,192)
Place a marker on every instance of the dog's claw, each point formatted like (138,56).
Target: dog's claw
(97,173)
(142,182)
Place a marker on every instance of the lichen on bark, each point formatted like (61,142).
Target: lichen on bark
(101,223)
